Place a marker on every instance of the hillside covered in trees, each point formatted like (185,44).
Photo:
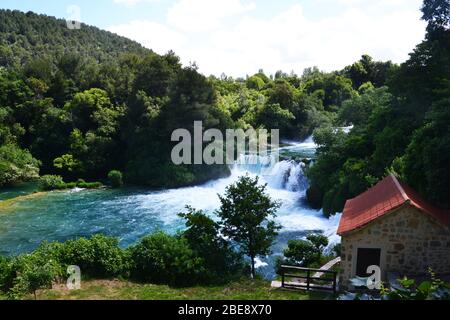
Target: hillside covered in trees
(80,103)
(403,128)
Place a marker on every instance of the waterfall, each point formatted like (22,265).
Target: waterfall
(287,174)
(131,213)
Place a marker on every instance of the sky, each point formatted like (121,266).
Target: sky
(239,37)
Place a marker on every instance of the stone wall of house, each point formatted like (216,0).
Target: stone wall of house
(411,242)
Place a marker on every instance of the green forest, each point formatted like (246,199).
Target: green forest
(81,103)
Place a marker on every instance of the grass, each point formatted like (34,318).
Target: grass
(124,290)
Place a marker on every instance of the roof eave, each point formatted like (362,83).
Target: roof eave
(404,204)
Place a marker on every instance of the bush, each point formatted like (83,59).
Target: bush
(69,185)
(32,278)
(115,178)
(90,185)
(161,258)
(50,182)
(99,256)
(30,272)
(6,274)
(197,256)
(307,252)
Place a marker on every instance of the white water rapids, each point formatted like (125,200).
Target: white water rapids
(131,213)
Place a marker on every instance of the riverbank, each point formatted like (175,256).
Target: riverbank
(124,290)
(8,204)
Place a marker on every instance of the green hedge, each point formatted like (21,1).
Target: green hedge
(52,182)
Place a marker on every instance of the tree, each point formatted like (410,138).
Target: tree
(306,252)
(426,160)
(319,242)
(255,82)
(357,110)
(220,260)
(93,144)
(332,88)
(367,70)
(272,116)
(245,214)
(437,14)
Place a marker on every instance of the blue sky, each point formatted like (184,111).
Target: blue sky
(239,37)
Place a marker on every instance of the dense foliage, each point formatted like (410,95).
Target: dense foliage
(402,128)
(26,36)
(80,103)
(196,256)
(85,102)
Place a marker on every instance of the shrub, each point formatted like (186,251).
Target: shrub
(6,274)
(161,258)
(50,182)
(306,252)
(30,272)
(99,256)
(69,185)
(32,278)
(115,178)
(90,185)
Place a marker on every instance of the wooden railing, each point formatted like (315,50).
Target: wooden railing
(329,282)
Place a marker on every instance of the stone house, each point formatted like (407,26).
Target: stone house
(392,227)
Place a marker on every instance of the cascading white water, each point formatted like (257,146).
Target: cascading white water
(286,182)
(132,214)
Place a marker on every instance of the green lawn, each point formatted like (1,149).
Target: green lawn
(123,290)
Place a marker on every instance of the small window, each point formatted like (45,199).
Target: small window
(367,257)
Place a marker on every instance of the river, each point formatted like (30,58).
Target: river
(132,213)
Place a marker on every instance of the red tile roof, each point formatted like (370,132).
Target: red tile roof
(381,199)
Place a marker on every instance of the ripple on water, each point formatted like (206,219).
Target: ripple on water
(129,214)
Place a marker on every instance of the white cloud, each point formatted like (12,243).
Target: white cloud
(152,35)
(204,15)
(227,36)
(131,3)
